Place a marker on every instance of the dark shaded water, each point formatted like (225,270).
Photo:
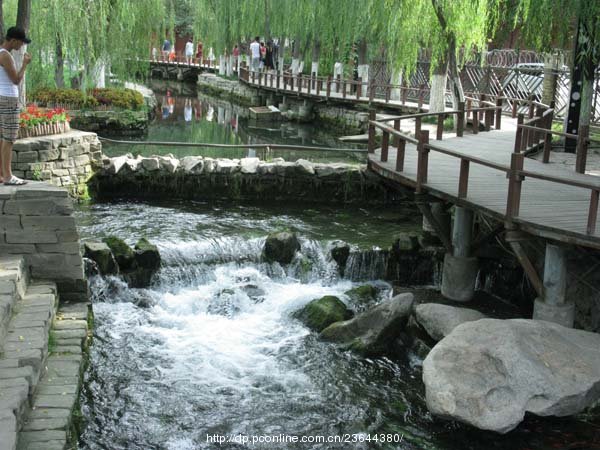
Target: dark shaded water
(183,115)
(211,348)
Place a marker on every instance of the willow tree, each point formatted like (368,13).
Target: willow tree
(548,23)
(449,29)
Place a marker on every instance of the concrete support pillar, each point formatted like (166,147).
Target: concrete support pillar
(440,214)
(283,106)
(460,269)
(554,307)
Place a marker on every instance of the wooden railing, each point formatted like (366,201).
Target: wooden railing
(515,172)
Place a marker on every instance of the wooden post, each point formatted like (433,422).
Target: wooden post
(278,80)
(328,91)
(475,122)
(292,83)
(513,201)
(593,212)
(372,117)
(440,127)
(319,86)
(404,94)
(422,159)
(482,105)
(463,179)
(515,105)
(396,140)
(460,119)
(531,107)
(337,85)
(417,127)
(488,119)
(387,93)
(299,81)
(359,88)
(498,113)
(400,155)
(344,89)
(582,148)
(421,95)
(519,134)
(371,90)
(548,138)
(385,143)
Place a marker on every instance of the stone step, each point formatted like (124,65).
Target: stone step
(24,349)
(48,423)
(13,283)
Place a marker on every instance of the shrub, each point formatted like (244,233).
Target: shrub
(119,98)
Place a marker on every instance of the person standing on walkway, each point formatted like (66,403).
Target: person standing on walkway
(10,79)
(269,62)
(189,51)
(263,55)
(199,52)
(166,49)
(255,54)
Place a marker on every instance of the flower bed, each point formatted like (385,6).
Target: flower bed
(36,121)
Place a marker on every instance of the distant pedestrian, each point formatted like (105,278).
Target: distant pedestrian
(263,55)
(166,49)
(269,62)
(154,53)
(255,54)
(10,78)
(189,51)
(199,49)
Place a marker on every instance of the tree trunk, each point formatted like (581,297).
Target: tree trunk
(363,65)
(59,69)
(296,57)
(437,99)
(23,16)
(267,21)
(316,53)
(458,94)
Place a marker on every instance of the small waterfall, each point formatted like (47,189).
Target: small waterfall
(366,265)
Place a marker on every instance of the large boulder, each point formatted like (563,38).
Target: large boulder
(340,253)
(100,253)
(372,332)
(281,247)
(490,372)
(439,320)
(320,313)
(122,252)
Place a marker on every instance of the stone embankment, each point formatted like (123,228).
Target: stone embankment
(195,177)
(41,338)
(62,159)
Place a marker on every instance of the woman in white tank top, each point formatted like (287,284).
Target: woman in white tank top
(10,79)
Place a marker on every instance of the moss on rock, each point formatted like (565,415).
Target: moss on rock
(362,294)
(321,313)
(122,252)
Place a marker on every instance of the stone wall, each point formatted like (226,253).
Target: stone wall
(37,223)
(61,159)
(112,123)
(229,89)
(198,178)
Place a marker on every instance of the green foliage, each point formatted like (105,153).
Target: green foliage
(117,97)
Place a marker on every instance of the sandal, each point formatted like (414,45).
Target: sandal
(15,181)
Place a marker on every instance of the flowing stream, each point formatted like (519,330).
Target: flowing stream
(211,350)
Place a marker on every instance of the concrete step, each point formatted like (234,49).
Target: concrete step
(24,349)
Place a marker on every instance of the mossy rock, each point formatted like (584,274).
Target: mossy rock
(281,247)
(362,294)
(122,252)
(147,255)
(320,313)
(101,254)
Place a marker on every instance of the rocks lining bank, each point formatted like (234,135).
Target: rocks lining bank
(198,178)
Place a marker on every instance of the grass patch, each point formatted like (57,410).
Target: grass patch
(448,122)
(51,342)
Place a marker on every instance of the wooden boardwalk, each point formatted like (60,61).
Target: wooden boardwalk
(547,208)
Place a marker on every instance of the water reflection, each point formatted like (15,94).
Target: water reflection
(183,115)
